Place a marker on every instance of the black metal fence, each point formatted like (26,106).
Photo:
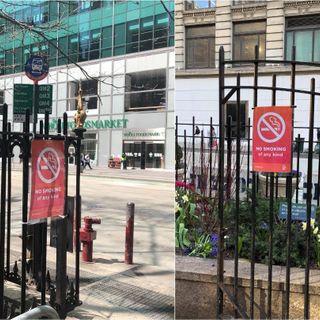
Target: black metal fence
(218,164)
(32,271)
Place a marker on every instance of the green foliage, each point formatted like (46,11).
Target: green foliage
(202,245)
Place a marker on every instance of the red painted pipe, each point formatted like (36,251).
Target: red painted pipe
(128,255)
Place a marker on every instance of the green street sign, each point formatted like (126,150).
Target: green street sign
(22,98)
(45,98)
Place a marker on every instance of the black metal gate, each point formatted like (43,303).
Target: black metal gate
(32,272)
(216,181)
(223,98)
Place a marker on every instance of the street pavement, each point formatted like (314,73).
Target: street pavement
(110,289)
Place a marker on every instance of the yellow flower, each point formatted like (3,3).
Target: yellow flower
(185,198)
(312,223)
(304,226)
(315,231)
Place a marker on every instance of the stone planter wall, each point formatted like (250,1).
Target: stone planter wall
(196,289)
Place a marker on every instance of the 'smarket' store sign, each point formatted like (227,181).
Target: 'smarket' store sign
(93,124)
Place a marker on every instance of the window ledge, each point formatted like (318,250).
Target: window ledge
(159,108)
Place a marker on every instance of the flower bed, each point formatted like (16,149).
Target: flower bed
(196,230)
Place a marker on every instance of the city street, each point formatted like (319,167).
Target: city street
(144,289)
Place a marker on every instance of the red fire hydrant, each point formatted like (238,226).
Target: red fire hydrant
(87,235)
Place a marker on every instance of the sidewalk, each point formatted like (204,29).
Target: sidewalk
(159,175)
(156,175)
(111,289)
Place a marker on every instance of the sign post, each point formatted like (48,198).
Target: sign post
(36,69)
(272,139)
(47,189)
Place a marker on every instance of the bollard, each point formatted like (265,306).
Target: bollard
(128,255)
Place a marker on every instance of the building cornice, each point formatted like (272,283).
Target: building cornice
(248,8)
(300,4)
(199,13)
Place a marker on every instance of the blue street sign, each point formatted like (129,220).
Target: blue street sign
(36,68)
(299,211)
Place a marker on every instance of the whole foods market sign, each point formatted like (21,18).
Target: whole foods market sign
(94,124)
(144,134)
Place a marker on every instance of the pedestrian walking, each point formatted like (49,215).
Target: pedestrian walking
(87,161)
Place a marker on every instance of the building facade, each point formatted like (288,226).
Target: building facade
(121,54)
(202,27)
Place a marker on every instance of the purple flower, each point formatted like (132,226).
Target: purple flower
(214,238)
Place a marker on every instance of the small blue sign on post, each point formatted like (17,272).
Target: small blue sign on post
(36,68)
(299,211)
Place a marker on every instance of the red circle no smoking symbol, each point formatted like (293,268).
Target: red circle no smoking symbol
(271,127)
(48,165)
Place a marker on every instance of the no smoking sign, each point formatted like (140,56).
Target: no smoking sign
(47,189)
(48,165)
(272,139)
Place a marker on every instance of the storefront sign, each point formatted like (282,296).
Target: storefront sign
(272,139)
(144,134)
(298,212)
(47,189)
(94,124)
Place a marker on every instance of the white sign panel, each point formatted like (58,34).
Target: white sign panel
(144,134)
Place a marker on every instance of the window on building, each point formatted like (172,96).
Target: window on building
(246,36)
(231,111)
(119,39)
(161,30)
(89,94)
(132,35)
(106,42)
(145,90)
(146,33)
(95,36)
(200,47)
(1,96)
(2,62)
(89,145)
(199,4)
(303,33)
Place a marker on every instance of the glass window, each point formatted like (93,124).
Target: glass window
(145,90)
(133,28)
(9,61)
(89,93)
(95,44)
(89,145)
(161,30)
(146,33)
(63,45)
(106,42)
(245,37)
(73,47)
(1,96)
(231,111)
(303,33)
(200,47)
(199,4)
(2,62)
(119,39)
(84,44)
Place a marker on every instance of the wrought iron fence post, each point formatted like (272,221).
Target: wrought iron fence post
(79,134)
